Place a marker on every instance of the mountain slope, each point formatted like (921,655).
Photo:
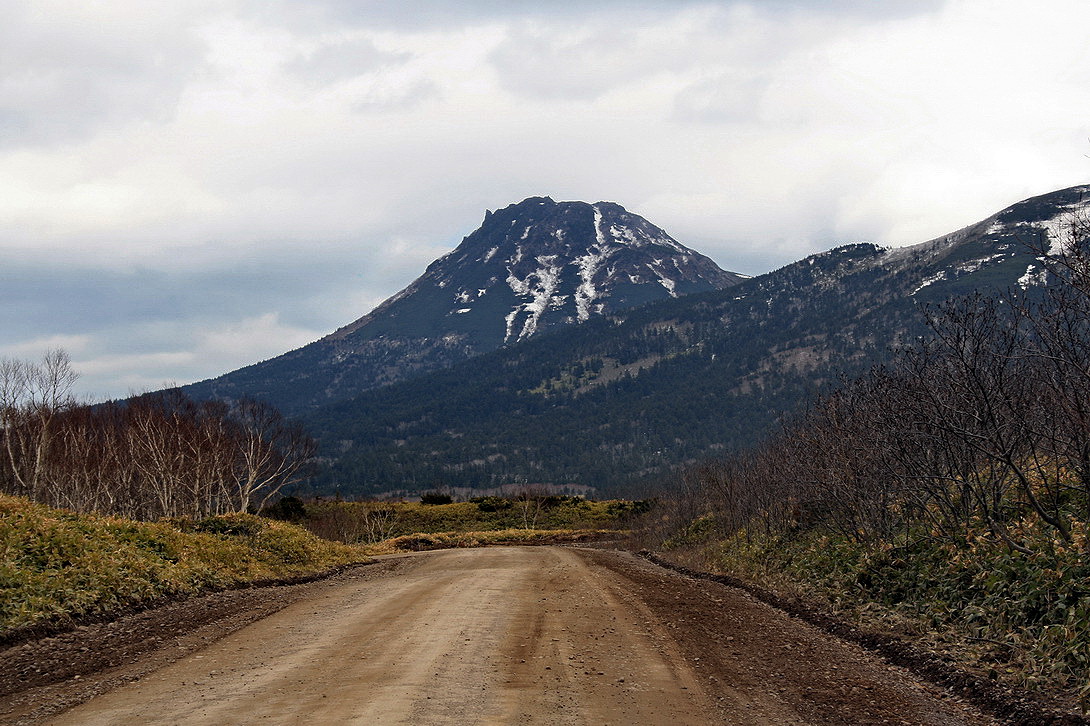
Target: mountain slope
(531,267)
(627,398)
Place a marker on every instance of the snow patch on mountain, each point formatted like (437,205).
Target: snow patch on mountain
(601,238)
(930,280)
(585,294)
(540,286)
(1033,276)
(971,266)
(1059,231)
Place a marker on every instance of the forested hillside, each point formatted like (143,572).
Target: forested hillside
(621,402)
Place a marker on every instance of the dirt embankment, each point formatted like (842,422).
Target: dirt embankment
(500,635)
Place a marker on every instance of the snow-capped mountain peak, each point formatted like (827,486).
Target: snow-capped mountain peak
(530,267)
(551,263)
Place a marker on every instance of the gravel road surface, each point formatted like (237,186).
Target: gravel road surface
(505,635)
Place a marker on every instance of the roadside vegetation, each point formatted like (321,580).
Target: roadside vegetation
(60,567)
(444,540)
(946,495)
(371,522)
(57,566)
(436,522)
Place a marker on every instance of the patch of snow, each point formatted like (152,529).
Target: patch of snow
(526,232)
(586,293)
(462,297)
(588,265)
(1033,276)
(1058,230)
(930,280)
(510,321)
(666,282)
(970,266)
(672,243)
(490,253)
(540,286)
(601,238)
(624,234)
(480,293)
(460,311)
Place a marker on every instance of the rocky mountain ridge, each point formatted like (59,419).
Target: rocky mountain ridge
(531,267)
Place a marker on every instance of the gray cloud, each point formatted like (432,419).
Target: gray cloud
(546,62)
(63,76)
(731,46)
(428,14)
(297,284)
(423,14)
(343,59)
(725,98)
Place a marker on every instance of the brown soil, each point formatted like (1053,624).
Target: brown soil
(498,635)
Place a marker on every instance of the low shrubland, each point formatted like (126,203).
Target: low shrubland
(370,522)
(1021,619)
(443,540)
(58,566)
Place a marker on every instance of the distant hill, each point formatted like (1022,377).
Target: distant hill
(624,399)
(531,267)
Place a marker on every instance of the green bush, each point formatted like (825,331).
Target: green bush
(491,504)
(287,509)
(231,525)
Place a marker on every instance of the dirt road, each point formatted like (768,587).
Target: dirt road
(540,635)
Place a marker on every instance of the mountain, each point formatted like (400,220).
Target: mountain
(620,402)
(531,267)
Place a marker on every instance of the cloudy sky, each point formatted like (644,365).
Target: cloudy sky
(188,186)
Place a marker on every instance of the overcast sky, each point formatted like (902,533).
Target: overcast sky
(188,186)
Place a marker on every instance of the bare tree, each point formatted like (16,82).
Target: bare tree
(31,396)
(272,453)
